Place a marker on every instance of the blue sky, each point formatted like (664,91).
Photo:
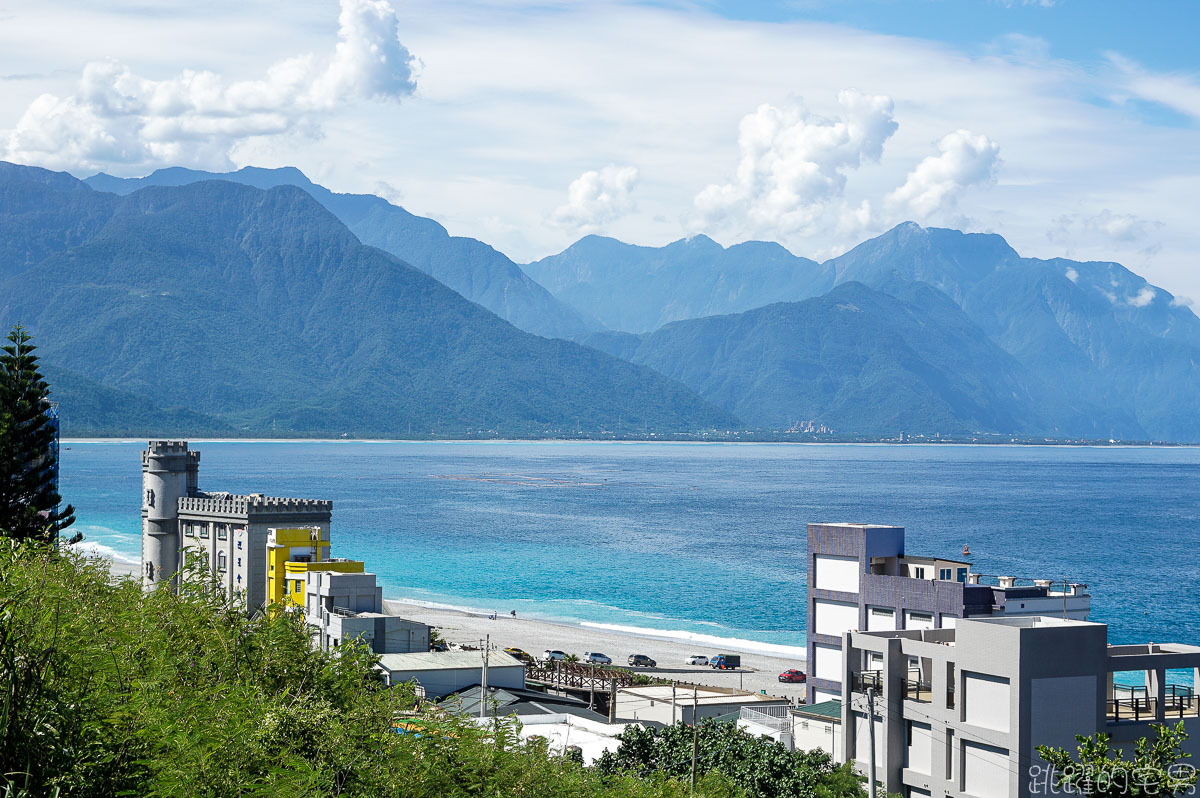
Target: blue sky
(1070,127)
(1160,35)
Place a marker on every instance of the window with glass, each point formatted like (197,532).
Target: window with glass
(221,561)
(222,532)
(204,531)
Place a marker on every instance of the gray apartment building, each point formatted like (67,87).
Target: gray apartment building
(179,521)
(859,578)
(960,711)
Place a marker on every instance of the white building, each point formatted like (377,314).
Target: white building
(440,673)
(802,728)
(960,712)
(667,704)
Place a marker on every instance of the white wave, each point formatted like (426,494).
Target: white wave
(91,548)
(714,641)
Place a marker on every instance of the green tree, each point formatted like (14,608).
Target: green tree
(1098,770)
(29,500)
(760,767)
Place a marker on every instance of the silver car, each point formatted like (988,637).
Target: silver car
(697,659)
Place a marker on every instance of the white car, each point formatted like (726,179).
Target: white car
(555,654)
(697,659)
(597,658)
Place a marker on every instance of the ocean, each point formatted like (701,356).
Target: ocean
(701,541)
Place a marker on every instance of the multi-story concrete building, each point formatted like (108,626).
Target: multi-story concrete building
(231,531)
(860,578)
(960,711)
(346,605)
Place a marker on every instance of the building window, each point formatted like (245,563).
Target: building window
(918,571)
(222,532)
(946,573)
(189,531)
(962,574)
(204,531)
(221,561)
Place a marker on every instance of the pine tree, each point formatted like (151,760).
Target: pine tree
(29,500)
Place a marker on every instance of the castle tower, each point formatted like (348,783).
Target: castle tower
(169,472)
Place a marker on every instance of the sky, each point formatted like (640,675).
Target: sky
(1070,127)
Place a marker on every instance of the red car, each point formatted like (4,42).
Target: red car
(792,675)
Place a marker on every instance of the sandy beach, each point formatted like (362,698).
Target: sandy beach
(758,671)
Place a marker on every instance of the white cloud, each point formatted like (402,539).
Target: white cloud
(1118,226)
(791,177)
(1144,297)
(966,159)
(119,119)
(596,198)
(1179,92)
(1182,302)
(1072,274)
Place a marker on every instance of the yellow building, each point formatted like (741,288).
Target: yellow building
(291,555)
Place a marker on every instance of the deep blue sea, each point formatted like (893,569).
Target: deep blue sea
(701,540)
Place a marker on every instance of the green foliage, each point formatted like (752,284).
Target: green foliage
(1098,770)
(29,500)
(760,767)
(107,690)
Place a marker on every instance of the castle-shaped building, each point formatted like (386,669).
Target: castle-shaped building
(179,521)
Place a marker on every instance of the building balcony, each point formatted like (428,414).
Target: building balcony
(1179,701)
(861,681)
(916,689)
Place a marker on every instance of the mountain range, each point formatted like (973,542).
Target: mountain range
(470,267)
(260,309)
(258,300)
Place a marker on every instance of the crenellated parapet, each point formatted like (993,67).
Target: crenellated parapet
(229,504)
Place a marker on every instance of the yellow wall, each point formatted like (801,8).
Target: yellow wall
(279,558)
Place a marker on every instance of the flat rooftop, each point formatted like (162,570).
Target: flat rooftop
(703,695)
(446,660)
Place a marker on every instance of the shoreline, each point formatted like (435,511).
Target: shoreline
(759,671)
(1065,444)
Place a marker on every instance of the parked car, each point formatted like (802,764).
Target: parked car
(596,658)
(521,654)
(641,661)
(554,654)
(793,675)
(725,662)
(697,659)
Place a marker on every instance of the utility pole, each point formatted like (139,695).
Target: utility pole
(695,733)
(612,701)
(672,702)
(483,693)
(1064,598)
(871,739)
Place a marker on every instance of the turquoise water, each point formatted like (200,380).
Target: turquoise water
(706,541)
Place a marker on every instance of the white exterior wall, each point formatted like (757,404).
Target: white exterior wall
(827,664)
(834,617)
(862,751)
(836,573)
(881,619)
(985,770)
(919,754)
(918,620)
(986,701)
(812,733)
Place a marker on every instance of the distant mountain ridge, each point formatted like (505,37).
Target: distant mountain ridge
(857,360)
(261,310)
(1114,355)
(470,267)
(639,289)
